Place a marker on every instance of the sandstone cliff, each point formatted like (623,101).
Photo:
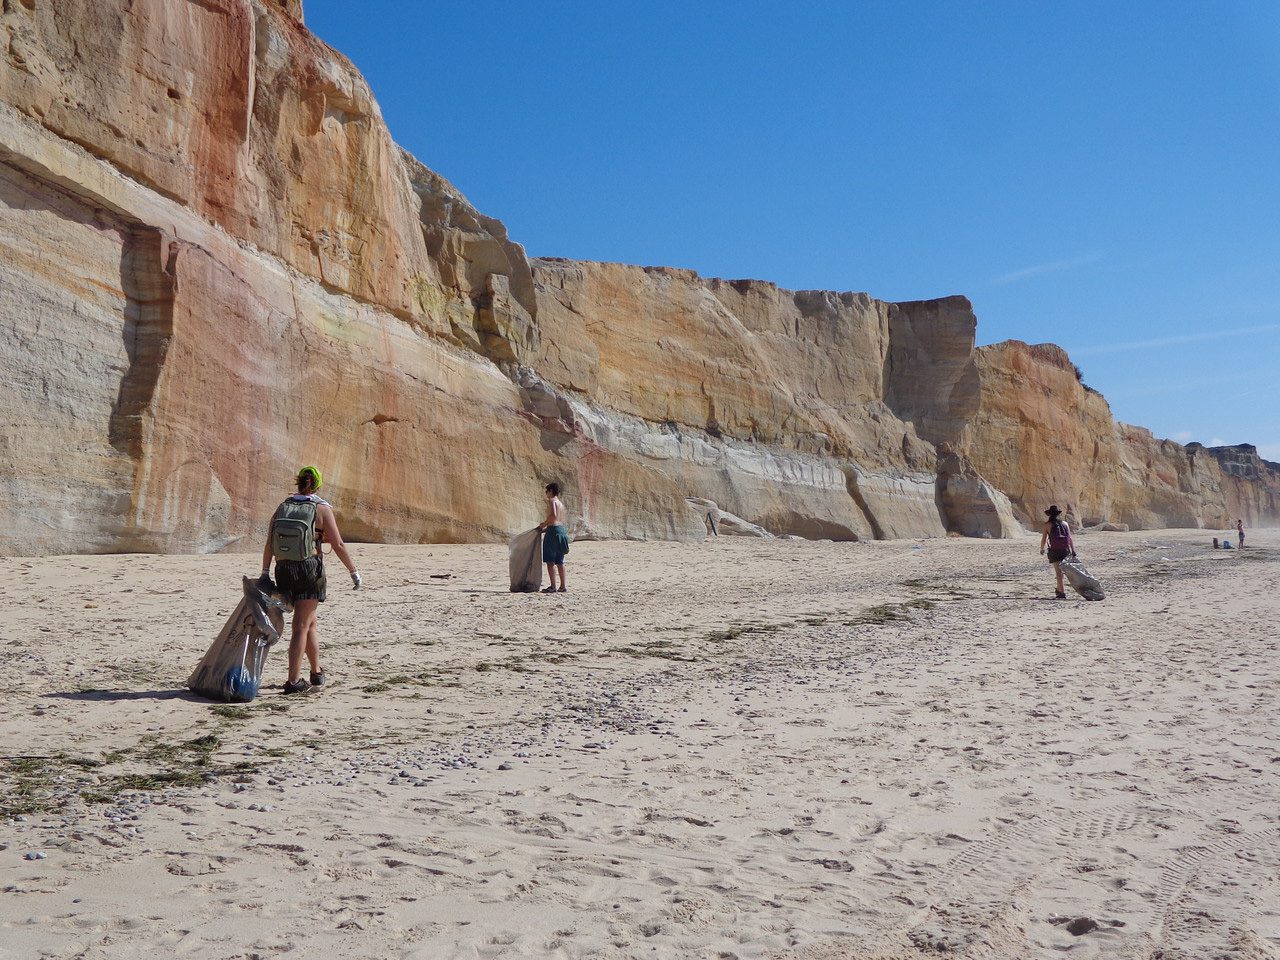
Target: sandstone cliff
(1042,437)
(216,264)
(1251,485)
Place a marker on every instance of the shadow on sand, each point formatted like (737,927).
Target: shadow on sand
(97,696)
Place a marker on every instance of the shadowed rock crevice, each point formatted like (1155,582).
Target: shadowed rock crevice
(930,378)
(148,277)
(970,506)
(855,494)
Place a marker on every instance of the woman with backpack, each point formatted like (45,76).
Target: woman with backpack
(300,527)
(1057,535)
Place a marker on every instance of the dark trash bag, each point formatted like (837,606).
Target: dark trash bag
(1081,580)
(526,561)
(231,670)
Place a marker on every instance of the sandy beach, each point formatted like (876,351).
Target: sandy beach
(733,749)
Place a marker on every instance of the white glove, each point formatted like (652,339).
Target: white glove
(355,580)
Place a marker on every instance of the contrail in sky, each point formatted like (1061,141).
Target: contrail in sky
(1042,268)
(1173,341)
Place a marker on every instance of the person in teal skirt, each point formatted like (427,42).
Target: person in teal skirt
(555,539)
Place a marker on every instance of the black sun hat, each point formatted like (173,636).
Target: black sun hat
(1053,511)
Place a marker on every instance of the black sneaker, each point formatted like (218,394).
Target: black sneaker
(297,686)
(317,679)
(1059,595)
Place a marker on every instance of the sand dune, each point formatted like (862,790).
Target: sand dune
(736,749)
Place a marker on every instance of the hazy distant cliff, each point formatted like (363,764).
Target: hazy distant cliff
(215,264)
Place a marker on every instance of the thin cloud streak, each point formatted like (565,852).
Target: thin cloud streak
(1173,341)
(1040,269)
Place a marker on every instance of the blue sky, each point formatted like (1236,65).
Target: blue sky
(1105,176)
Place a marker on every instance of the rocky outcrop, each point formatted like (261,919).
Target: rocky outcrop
(1251,485)
(774,404)
(215,264)
(1042,436)
(971,506)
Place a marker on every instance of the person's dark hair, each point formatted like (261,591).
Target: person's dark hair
(309,480)
(553,489)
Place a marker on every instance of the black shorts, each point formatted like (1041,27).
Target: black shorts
(301,579)
(1057,556)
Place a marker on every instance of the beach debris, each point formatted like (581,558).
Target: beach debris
(1081,925)
(35,855)
(1081,580)
(231,669)
(525,561)
(722,523)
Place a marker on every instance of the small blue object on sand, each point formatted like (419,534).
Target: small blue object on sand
(241,685)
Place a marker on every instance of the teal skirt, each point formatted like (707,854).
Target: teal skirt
(555,544)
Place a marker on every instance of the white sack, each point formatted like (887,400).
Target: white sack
(1083,582)
(526,561)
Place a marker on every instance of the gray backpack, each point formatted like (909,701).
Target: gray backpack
(293,530)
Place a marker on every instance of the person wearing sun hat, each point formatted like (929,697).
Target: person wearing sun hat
(1057,537)
(301,525)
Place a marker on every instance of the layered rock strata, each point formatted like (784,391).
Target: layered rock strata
(215,264)
(1251,485)
(1042,436)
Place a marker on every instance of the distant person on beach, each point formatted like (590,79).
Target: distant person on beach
(1240,533)
(300,527)
(1057,536)
(555,539)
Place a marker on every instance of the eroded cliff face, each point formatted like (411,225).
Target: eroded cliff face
(1043,437)
(1251,485)
(215,264)
(809,413)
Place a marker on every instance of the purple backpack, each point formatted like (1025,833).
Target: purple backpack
(1059,535)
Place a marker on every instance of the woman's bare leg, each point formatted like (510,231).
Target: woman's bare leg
(1057,568)
(313,642)
(304,615)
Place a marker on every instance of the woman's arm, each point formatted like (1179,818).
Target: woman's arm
(334,538)
(1044,537)
(267,554)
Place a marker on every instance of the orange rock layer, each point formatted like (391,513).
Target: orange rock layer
(1042,436)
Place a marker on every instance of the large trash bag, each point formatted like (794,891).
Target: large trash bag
(526,561)
(1081,580)
(231,670)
